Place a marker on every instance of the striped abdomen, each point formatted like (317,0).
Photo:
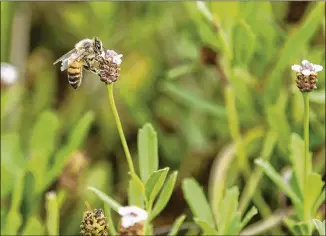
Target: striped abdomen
(75,74)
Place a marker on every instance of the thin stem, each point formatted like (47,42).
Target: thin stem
(307,161)
(306,134)
(120,130)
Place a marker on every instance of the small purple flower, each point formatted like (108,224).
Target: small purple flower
(307,68)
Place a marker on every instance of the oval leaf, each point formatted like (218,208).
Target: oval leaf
(197,201)
(154,184)
(147,151)
(165,195)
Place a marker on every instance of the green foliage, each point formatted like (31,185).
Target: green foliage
(228,218)
(148,151)
(197,201)
(213,78)
(320,226)
(176,225)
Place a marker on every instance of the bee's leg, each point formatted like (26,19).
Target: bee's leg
(93,70)
(90,68)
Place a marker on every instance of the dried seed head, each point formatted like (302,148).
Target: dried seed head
(110,66)
(132,221)
(135,230)
(94,223)
(306,75)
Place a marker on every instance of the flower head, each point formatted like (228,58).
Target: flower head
(307,68)
(94,223)
(110,66)
(132,215)
(9,74)
(306,75)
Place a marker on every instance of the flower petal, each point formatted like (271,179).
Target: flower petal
(305,62)
(318,68)
(9,73)
(296,68)
(131,215)
(306,72)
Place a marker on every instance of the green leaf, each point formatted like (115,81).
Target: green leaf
(206,228)
(14,218)
(193,101)
(154,184)
(320,226)
(302,228)
(277,179)
(176,225)
(76,137)
(312,193)
(80,131)
(105,198)
(13,222)
(42,144)
(297,158)
(319,202)
(108,214)
(33,227)
(197,201)
(52,212)
(136,192)
(244,43)
(147,151)
(165,195)
(12,158)
(278,122)
(228,212)
(251,213)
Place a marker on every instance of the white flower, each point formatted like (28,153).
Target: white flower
(307,68)
(116,58)
(9,73)
(131,215)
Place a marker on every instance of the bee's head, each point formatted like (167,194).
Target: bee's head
(98,46)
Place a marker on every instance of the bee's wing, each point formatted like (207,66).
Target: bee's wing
(65,56)
(73,57)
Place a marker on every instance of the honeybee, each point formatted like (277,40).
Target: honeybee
(82,56)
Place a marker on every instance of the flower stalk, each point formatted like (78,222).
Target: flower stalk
(307,161)
(120,130)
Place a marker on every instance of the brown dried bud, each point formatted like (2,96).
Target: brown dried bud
(306,83)
(306,75)
(94,223)
(109,66)
(135,230)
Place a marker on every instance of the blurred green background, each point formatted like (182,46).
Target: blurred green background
(176,66)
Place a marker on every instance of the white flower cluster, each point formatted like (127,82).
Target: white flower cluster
(132,215)
(116,58)
(9,73)
(307,68)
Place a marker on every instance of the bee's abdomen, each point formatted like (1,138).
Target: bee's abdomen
(75,74)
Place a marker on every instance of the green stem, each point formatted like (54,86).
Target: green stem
(306,134)
(307,161)
(120,130)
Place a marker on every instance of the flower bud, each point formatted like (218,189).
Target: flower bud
(306,75)
(94,223)
(110,66)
